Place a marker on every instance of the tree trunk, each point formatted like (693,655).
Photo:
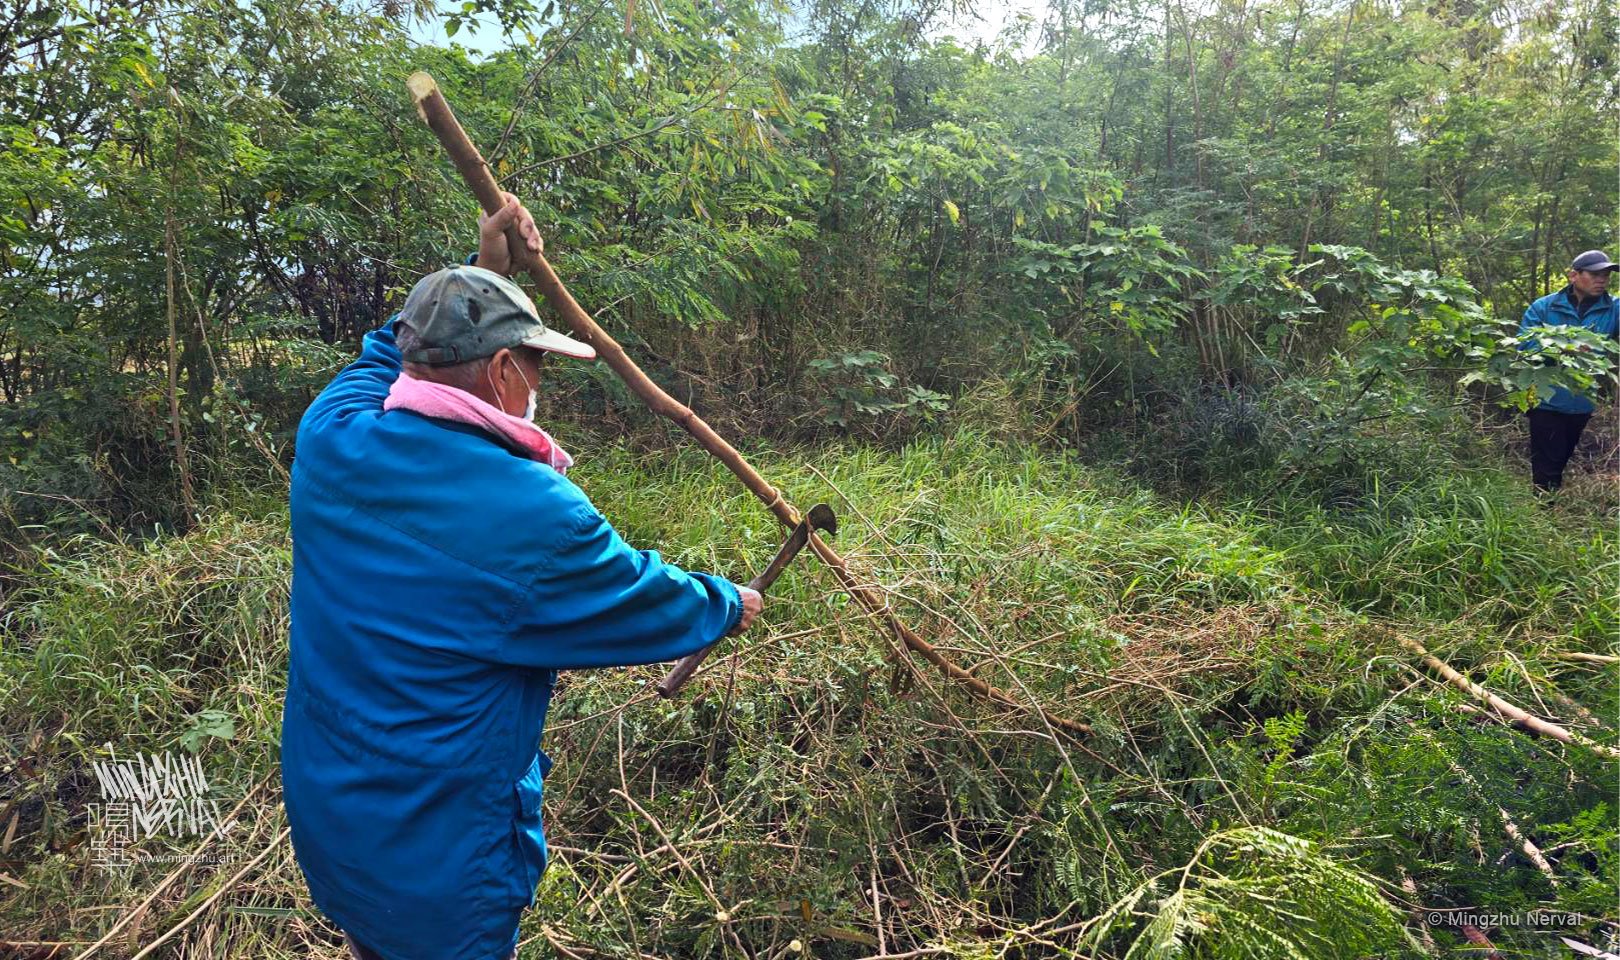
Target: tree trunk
(1169,115)
(175,433)
(1198,109)
(1328,118)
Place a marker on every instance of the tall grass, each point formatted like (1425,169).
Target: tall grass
(1266,769)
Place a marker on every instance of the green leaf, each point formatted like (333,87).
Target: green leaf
(205,724)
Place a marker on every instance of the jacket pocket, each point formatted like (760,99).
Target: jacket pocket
(526,826)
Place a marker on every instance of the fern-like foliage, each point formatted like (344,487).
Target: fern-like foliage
(1251,893)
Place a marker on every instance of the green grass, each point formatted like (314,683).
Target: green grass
(1266,769)
(1455,542)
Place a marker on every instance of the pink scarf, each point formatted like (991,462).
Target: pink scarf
(447,403)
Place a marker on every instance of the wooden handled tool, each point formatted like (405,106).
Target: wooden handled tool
(820,517)
(436,113)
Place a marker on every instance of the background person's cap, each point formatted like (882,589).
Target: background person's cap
(1592,261)
(463,313)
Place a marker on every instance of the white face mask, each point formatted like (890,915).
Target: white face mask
(534,393)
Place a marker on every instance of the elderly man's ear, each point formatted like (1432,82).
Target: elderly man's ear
(510,388)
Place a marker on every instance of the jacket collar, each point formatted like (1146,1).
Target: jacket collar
(447,403)
(1568,294)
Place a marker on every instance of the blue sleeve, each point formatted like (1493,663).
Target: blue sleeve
(598,602)
(1532,318)
(362,385)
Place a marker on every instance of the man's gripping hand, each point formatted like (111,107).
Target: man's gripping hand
(493,253)
(753,603)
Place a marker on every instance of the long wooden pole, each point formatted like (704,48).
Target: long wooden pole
(436,113)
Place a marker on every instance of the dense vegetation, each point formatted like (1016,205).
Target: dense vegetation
(1158,358)
(830,221)
(1268,765)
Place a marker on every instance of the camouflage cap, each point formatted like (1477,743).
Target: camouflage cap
(463,313)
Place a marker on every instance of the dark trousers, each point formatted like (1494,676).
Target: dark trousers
(1553,437)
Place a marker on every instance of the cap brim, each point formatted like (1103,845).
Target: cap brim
(559,343)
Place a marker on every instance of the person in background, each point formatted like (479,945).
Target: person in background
(1557,422)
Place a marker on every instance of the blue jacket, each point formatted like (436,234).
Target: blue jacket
(439,582)
(1601,317)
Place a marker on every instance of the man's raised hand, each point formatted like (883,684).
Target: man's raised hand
(493,253)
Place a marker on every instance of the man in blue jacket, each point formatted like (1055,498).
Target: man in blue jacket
(444,570)
(1556,423)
